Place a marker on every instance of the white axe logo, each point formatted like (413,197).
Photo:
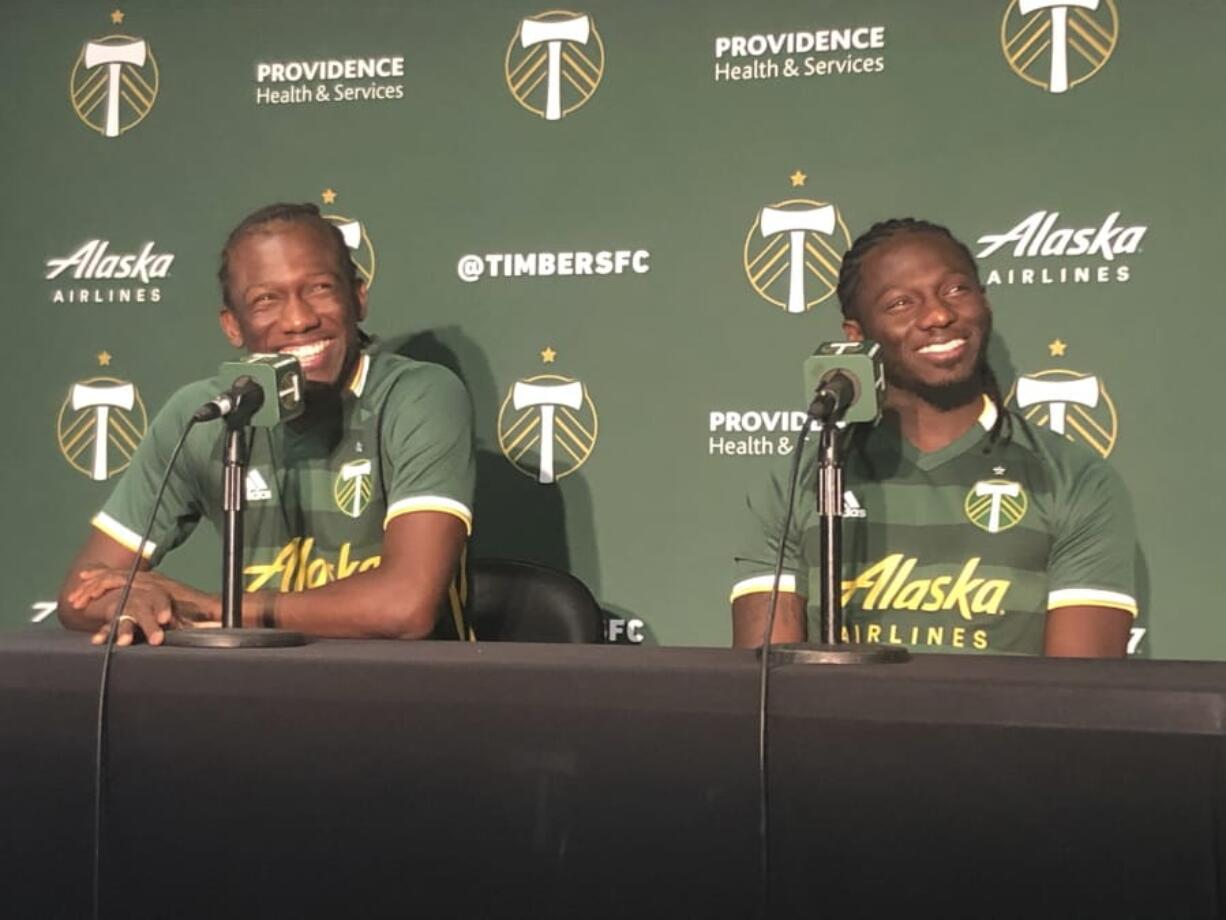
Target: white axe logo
(110,74)
(361,250)
(796,239)
(553,416)
(1075,406)
(87,422)
(551,48)
(352,489)
(996,504)
(1058,27)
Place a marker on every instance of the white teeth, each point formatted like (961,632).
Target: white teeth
(942,347)
(302,352)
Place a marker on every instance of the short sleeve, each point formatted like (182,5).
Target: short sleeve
(125,515)
(428,445)
(1092,556)
(761,533)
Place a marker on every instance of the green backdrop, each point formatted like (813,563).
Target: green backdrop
(618,243)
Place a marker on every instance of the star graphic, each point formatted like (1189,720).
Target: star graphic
(104,359)
(328,196)
(998,470)
(117,17)
(548,355)
(1057,347)
(798,179)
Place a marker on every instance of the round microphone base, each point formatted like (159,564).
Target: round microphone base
(814,653)
(238,637)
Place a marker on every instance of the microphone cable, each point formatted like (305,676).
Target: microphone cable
(100,728)
(763,686)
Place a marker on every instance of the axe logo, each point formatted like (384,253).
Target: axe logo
(361,250)
(793,252)
(101,422)
(996,504)
(547,426)
(1057,44)
(1074,405)
(554,63)
(114,83)
(352,487)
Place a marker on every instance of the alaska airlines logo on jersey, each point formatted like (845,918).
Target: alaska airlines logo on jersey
(996,504)
(295,568)
(352,487)
(547,426)
(550,48)
(887,585)
(114,82)
(1071,404)
(1057,44)
(101,422)
(793,252)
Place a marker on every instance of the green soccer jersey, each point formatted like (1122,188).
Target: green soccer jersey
(964,549)
(318,494)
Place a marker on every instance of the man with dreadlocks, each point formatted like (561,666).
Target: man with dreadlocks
(968,529)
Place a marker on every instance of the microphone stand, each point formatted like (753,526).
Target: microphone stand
(231,633)
(832,649)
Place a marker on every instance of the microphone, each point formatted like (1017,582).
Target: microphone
(267,390)
(244,394)
(846,382)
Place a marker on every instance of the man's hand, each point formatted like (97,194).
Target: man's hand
(152,607)
(148,611)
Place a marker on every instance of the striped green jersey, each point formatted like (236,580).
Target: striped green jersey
(964,549)
(319,491)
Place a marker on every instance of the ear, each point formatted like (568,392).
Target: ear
(360,298)
(851,329)
(230,327)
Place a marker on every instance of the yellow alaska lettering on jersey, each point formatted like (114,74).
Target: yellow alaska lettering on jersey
(294,569)
(887,586)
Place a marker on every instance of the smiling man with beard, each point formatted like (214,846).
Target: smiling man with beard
(970,530)
(358,512)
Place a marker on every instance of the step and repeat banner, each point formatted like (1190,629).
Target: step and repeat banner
(621,225)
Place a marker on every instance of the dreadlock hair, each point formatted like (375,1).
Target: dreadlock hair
(304,214)
(849,282)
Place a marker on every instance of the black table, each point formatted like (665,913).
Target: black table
(387,779)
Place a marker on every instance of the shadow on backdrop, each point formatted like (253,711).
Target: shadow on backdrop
(514,517)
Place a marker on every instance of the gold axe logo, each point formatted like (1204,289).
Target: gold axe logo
(1072,404)
(996,504)
(352,487)
(114,82)
(1057,44)
(793,252)
(547,426)
(554,63)
(101,422)
(361,250)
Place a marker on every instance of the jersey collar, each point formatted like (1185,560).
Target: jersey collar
(987,418)
(357,382)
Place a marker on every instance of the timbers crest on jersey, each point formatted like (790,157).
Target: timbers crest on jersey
(352,487)
(996,504)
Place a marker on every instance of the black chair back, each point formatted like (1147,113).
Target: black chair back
(513,601)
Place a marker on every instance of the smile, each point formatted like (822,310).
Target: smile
(307,354)
(942,348)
